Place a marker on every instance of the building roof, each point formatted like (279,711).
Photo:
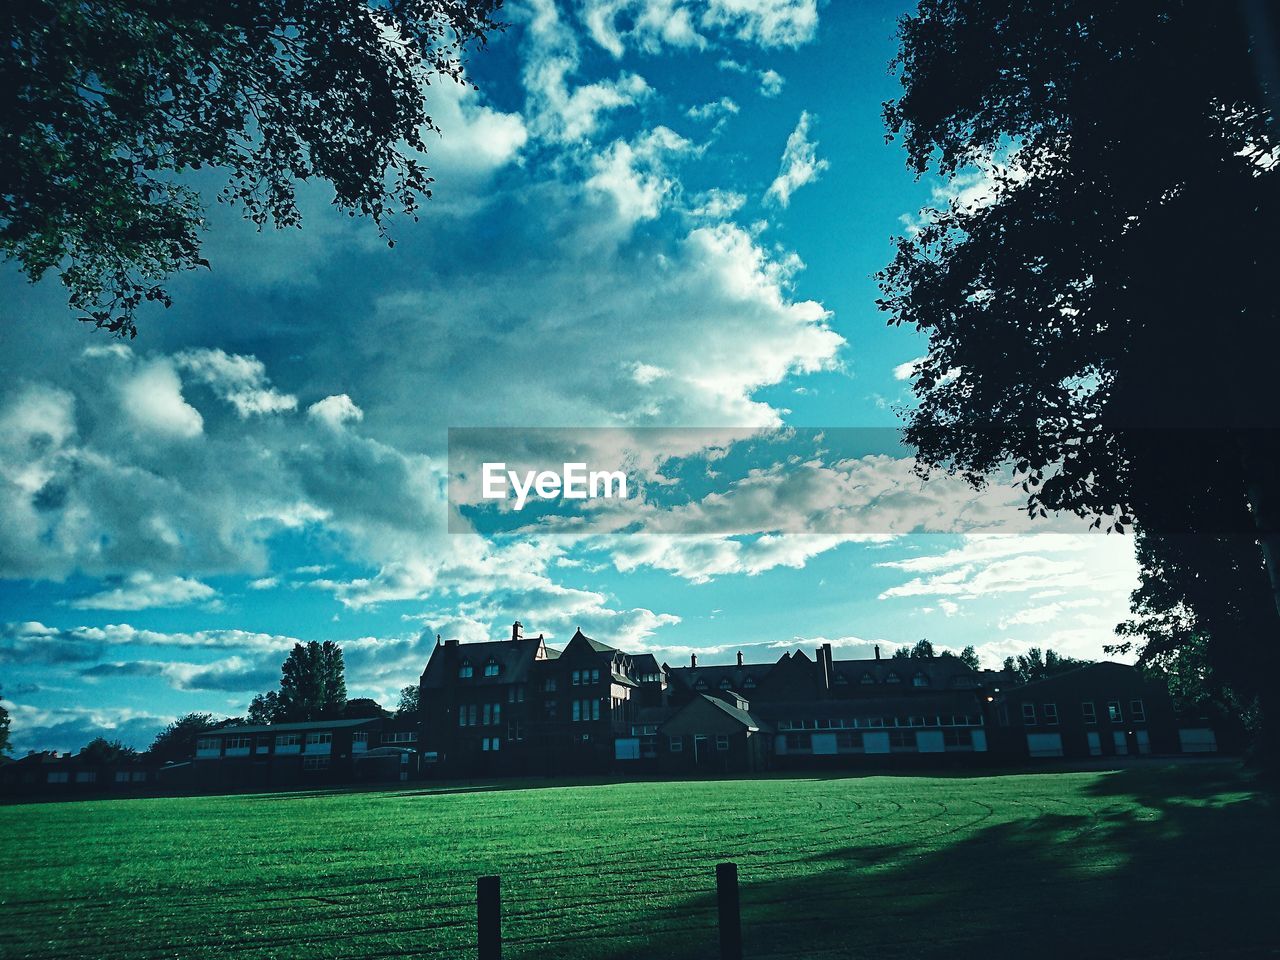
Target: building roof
(292,727)
(1074,671)
(514,659)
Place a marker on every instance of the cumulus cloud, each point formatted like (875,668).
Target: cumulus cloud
(335,411)
(152,398)
(653,24)
(771,83)
(142,591)
(800,164)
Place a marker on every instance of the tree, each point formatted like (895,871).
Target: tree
(4,727)
(923,650)
(409,700)
(177,741)
(902,653)
(1036,664)
(364,708)
(969,657)
(102,750)
(1101,320)
(264,708)
(110,105)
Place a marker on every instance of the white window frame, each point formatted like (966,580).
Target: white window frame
(1137,711)
(722,741)
(1050,714)
(1029,714)
(1089,711)
(1114,713)
(675,744)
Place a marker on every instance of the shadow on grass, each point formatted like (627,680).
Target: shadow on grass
(1190,870)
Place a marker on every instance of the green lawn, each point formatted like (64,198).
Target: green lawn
(1154,861)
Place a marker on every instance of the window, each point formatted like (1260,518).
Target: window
(288,740)
(1088,711)
(749,683)
(848,740)
(577,678)
(206,746)
(122,776)
(490,744)
(515,693)
(1051,714)
(920,680)
(799,742)
(462,715)
(1113,711)
(549,709)
(725,684)
(515,730)
(315,763)
(86,776)
(576,713)
(400,736)
(867,680)
(239,743)
(648,747)
(321,742)
(700,685)
(492,714)
(595,676)
(675,744)
(1137,711)
(841,680)
(893,678)
(549,685)
(491,668)
(464,670)
(58,776)
(139,776)
(957,738)
(359,741)
(902,739)
(722,741)
(1029,713)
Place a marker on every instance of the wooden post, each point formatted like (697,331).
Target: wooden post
(730,912)
(489,917)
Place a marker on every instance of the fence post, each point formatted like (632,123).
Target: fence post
(489,917)
(730,911)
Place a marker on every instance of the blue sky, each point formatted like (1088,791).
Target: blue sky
(654,213)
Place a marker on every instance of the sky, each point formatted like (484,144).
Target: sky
(652,214)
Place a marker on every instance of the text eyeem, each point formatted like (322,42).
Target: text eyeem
(575,482)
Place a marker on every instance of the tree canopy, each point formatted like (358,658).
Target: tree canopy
(409,700)
(4,728)
(102,750)
(177,741)
(110,105)
(1100,302)
(313,686)
(1037,664)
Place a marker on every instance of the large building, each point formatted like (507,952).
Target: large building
(518,706)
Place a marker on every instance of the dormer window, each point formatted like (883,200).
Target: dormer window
(841,680)
(749,683)
(893,678)
(465,671)
(920,680)
(700,685)
(491,668)
(725,684)
(867,680)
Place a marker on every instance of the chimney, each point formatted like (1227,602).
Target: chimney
(693,659)
(831,667)
(739,658)
(515,630)
(437,639)
(824,674)
(452,642)
(877,651)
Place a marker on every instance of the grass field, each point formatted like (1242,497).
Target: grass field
(1151,862)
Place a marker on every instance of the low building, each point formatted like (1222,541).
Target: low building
(289,754)
(1099,710)
(53,774)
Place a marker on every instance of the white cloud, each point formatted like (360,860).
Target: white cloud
(335,411)
(143,591)
(632,174)
(771,83)
(152,398)
(905,371)
(800,164)
(653,24)
(714,109)
(239,380)
(769,23)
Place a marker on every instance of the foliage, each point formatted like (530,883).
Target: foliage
(362,708)
(1036,664)
(312,687)
(4,727)
(1100,309)
(177,741)
(110,105)
(969,657)
(409,700)
(923,650)
(102,750)
(1091,838)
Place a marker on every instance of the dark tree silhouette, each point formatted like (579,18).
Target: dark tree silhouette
(364,708)
(1104,320)
(409,700)
(4,728)
(102,750)
(1036,664)
(312,687)
(177,741)
(264,708)
(108,104)
(969,657)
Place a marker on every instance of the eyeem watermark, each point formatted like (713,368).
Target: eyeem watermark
(575,482)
